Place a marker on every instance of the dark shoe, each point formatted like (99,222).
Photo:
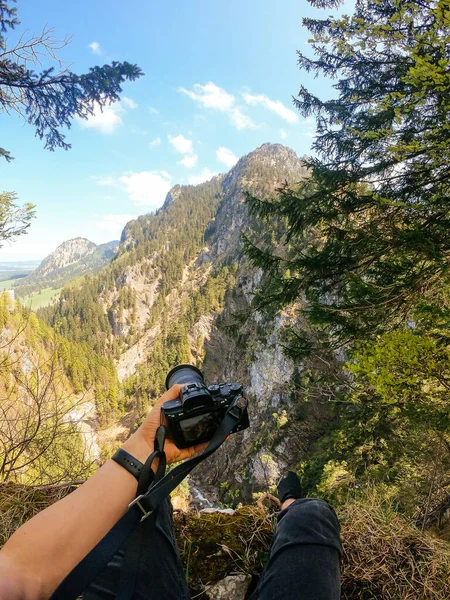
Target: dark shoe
(289,487)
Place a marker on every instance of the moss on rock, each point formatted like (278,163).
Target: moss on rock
(214,545)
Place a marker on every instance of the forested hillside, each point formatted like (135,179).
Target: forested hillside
(176,291)
(173,271)
(180,290)
(47,384)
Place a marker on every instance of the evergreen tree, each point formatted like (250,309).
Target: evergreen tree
(362,246)
(51,99)
(48,100)
(368,234)
(14,219)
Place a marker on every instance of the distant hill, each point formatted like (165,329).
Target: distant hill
(71,259)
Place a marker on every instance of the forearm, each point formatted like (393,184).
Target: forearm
(46,548)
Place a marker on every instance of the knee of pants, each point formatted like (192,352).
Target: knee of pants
(312,508)
(312,520)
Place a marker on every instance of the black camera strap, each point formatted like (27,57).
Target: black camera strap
(142,510)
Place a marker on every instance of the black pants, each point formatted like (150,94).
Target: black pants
(303,561)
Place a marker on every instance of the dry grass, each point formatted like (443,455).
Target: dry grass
(388,558)
(385,557)
(18,503)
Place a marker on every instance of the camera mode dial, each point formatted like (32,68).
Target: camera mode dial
(214,389)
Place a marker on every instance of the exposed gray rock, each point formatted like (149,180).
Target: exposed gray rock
(266,468)
(171,197)
(270,369)
(224,511)
(233,587)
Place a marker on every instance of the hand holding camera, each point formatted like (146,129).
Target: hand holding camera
(191,411)
(194,417)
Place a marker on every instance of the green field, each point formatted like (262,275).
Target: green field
(7,284)
(40,299)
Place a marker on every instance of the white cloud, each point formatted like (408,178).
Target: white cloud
(214,97)
(205,175)
(242,121)
(226,156)
(211,95)
(96,49)
(114,223)
(186,147)
(105,120)
(274,105)
(154,143)
(129,103)
(283,134)
(108,119)
(153,111)
(189,161)
(146,188)
(181,144)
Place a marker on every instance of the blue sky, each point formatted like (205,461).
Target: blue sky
(219,79)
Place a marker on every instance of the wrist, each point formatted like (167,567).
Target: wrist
(138,446)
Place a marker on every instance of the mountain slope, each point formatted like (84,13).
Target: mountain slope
(173,293)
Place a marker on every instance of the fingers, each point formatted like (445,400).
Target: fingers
(171,394)
(188,452)
(200,447)
(193,450)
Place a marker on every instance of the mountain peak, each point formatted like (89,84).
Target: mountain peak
(270,148)
(276,162)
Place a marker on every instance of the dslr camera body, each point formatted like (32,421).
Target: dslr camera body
(195,416)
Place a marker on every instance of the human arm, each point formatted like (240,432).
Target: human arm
(45,549)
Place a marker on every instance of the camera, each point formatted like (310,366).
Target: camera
(195,416)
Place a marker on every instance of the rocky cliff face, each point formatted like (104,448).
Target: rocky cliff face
(260,172)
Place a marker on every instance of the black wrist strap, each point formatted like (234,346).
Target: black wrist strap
(128,462)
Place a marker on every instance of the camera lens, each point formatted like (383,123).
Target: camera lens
(184,374)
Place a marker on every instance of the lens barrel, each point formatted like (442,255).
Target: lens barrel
(184,374)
